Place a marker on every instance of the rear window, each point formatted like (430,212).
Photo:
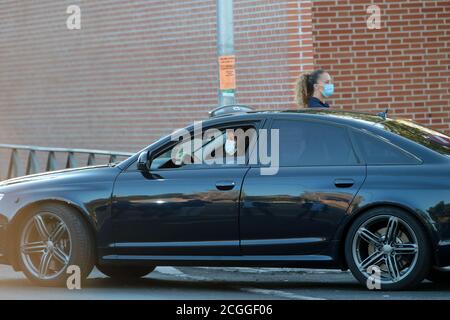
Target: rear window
(431,139)
(379,152)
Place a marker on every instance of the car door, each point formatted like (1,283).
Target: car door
(179,209)
(297,210)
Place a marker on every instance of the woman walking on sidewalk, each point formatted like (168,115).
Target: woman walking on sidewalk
(313,88)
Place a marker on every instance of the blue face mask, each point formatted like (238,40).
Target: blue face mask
(328,90)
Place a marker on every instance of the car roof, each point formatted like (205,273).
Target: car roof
(355,119)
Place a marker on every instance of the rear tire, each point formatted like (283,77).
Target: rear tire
(125,272)
(391,242)
(53,237)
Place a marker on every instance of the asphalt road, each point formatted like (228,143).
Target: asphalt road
(179,283)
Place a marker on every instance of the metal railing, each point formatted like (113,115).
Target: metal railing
(32,164)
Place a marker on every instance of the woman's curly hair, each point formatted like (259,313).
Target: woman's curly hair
(305,86)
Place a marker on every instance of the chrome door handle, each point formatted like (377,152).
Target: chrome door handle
(344,183)
(225,185)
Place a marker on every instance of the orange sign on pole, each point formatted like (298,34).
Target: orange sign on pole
(227,67)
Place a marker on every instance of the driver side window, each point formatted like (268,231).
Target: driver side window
(225,146)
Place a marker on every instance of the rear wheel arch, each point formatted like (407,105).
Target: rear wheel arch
(13,227)
(344,231)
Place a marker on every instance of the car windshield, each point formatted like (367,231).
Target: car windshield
(431,139)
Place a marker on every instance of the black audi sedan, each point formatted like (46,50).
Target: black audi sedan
(348,191)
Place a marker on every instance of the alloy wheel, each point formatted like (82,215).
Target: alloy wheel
(45,246)
(388,243)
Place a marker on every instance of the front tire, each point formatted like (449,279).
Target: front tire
(388,249)
(125,272)
(52,238)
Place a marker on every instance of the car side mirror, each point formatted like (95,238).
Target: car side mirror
(144,161)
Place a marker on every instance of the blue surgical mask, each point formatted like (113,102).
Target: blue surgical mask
(230,147)
(328,90)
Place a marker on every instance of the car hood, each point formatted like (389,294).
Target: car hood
(66,173)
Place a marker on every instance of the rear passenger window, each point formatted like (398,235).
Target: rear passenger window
(379,152)
(304,143)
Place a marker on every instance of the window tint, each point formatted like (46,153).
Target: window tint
(304,143)
(378,152)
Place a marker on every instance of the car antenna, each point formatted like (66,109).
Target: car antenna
(383,115)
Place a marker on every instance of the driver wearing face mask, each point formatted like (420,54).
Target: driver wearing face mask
(230,144)
(314,88)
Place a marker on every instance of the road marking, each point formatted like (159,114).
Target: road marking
(171,271)
(279,293)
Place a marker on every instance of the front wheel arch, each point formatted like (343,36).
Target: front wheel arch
(13,226)
(344,231)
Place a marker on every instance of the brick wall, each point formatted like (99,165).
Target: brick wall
(273,46)
(404,66)
(135,70)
